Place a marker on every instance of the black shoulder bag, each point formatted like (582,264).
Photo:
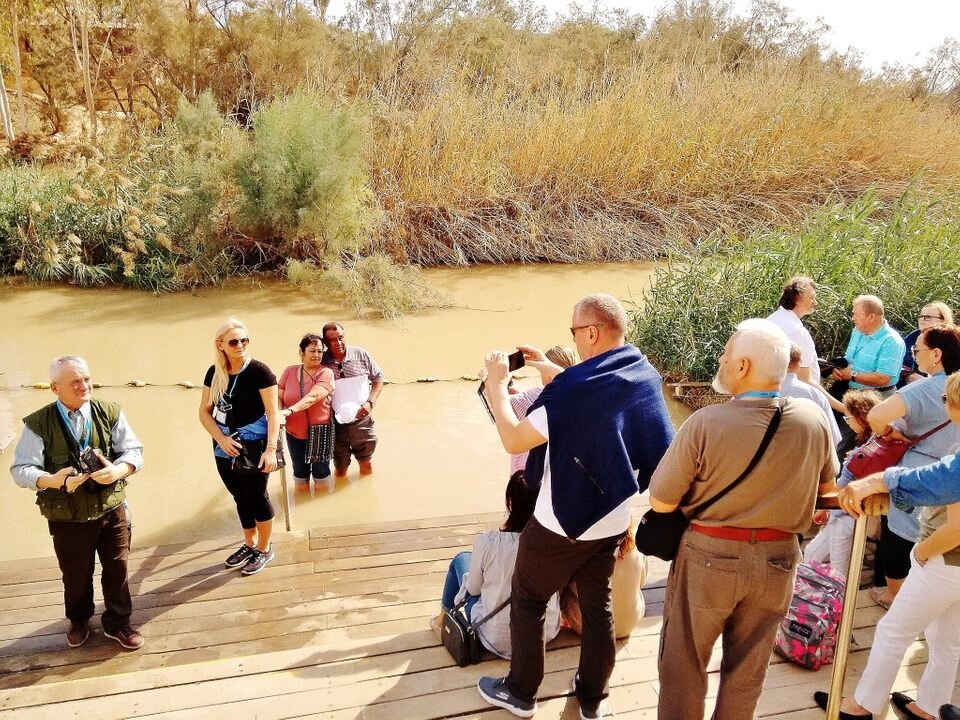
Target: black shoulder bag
(460,636)
(659,534)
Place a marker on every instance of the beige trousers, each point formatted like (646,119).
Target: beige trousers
(732,589)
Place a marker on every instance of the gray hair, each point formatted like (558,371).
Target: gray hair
(73,360)
(604,309)
(871,303)
(766,345)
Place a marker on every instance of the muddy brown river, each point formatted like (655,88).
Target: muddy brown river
(438,453)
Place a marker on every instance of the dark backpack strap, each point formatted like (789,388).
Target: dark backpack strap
(490,614)
(921,438)
(767,437)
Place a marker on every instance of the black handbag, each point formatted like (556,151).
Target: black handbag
(248,461)
(460,636)
(659,533)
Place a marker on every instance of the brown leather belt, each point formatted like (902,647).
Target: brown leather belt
(744,534)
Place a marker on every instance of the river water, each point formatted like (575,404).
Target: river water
(438,453)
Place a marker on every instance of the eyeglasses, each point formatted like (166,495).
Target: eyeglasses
(573,330)
(233,342)
(914,350)
(929,317)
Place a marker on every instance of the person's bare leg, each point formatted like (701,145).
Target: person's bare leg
(264,531)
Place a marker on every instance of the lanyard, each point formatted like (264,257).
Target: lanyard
(757,394)
(83,440)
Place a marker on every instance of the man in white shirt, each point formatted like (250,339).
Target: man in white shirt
(798,299)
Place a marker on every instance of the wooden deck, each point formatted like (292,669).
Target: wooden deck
(336,627)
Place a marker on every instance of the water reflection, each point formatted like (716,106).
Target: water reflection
(438,452)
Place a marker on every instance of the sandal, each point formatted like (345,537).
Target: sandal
(876,594)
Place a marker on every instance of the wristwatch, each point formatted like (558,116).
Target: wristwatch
(853,375)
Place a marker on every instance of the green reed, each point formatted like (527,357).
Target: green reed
(904,251)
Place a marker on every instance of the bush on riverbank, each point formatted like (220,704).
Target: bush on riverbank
(903,252)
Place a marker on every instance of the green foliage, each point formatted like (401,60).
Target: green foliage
(370,285)
(304,177)
(900,252)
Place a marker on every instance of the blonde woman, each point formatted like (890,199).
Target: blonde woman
(932,314)
(239,402)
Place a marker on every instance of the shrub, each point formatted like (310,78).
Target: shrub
(369,285)
(900,251)
(304,178)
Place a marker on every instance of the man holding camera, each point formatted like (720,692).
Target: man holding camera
(76,454)
(595,436)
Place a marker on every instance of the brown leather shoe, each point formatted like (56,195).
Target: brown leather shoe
(77,634)
(128,638)
(366,467)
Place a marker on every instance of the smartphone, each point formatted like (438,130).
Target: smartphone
(483,399)
(515,360)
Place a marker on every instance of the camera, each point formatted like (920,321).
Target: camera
(89,461)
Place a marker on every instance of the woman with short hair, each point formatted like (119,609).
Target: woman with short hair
(305,392)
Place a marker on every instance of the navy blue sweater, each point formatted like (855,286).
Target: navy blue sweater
(608,427)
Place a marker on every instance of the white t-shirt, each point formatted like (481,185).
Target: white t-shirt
(788,321)
(796,388)
(613,523)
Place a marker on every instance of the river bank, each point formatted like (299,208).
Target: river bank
(438,454)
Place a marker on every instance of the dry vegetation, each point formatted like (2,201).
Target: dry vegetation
(451,131)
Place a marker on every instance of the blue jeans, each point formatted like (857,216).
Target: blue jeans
(451,586)
(298,451)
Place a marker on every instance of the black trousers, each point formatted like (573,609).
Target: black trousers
(249,491)
(77,544)
(546,562)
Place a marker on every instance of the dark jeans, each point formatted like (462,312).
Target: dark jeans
(298,453)
(249,491)
(77,544)
(546,562)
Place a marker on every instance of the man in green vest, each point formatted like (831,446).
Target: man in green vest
(76,454)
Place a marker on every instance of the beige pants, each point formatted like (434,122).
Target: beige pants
(734,589)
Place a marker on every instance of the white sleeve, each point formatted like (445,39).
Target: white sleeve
(538,418)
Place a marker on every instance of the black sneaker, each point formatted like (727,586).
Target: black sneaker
(240,558)
(496,692)
(257,562)
(601,711)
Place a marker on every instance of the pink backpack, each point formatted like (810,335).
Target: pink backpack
(808,634)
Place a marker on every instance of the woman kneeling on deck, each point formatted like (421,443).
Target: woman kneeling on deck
(484,576)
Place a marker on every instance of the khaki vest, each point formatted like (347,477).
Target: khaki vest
(84,503)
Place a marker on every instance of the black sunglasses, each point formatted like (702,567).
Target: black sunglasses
(340,368)
(233,342)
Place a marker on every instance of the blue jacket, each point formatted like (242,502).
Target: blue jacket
(608,427)
(935,484)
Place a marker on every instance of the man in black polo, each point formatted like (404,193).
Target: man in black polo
(76,454)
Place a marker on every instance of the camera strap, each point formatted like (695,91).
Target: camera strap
(70,436)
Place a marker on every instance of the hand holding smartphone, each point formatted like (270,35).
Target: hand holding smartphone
(515,361)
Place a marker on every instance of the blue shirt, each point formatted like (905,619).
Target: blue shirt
(27,466)
(934,484)
(882,352)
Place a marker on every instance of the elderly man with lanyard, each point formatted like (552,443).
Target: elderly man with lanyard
(82,497)
(359,382)
(733,575)
(595,435)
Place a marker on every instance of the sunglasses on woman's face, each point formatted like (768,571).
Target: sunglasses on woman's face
(233,342)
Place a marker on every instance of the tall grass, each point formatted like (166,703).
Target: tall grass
(902,251)
(602,170)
